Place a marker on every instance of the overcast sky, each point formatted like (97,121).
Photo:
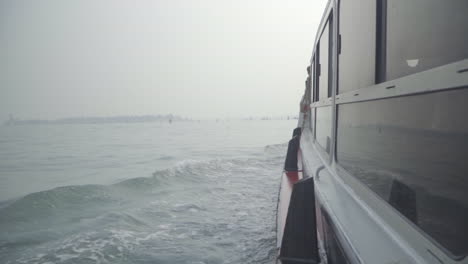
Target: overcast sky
(200,59)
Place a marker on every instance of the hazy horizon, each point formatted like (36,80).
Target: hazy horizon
(202,60)
(13,120)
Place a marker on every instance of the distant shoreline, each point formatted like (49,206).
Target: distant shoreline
(97,120)
(130,119)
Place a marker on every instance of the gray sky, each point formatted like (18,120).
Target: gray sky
(200,59)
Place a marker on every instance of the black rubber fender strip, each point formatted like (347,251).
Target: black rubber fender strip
(300,231)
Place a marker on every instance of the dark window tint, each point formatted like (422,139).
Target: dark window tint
(412,151)
(324,58)
(309,83)
(309,111)
(423,34)
(357,57)
(315,81)
(333,248)
(323,127)
(312,79)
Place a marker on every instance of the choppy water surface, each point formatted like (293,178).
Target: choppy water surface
(141,193)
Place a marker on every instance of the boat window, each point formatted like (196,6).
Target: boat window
(357,57)
(312,79)
(324,65)
(315,97)
(412,152)
(312,92)
(312,121)
(323,127)
(423,34)
(335,253)
(309,84)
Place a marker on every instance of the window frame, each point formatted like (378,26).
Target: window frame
(372,197)
(376,59)
(328,24)
(327,20)
(445,77)
(442,78)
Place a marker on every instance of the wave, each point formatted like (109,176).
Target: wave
(166,157)
(218,203)
(44,202)
(278,149)
(186,171)
(82,197)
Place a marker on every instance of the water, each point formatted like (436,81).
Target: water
(141,193)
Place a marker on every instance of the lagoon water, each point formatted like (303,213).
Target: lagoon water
(186,192)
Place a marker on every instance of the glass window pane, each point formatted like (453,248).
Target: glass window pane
(423,34)
(314,80)
(324,58)
(357,58)
(323,127)
(412,151)
(312,119)
(312,77)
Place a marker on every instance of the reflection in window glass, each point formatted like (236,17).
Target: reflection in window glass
(323,127)
(324,58)
(357,58)
(423,34)
(311,84)
(312,119)
(412,151)
(333,248)
(313,75)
